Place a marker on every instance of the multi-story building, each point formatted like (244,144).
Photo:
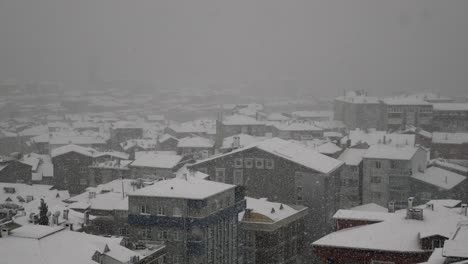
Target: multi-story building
(123,130)
(357,110)
(449,145)
(387,170)
(271,232)
(106,171)
(405,236)
(351,177)
(71,164)
(197,219)
(400,112)
(282,171)
(312,115)
(450,117)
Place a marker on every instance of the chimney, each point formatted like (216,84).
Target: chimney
(5,232)
(273,210)
(384,140)
(410,202)
(391,206)
(65,214)
(464,209)
(92,195)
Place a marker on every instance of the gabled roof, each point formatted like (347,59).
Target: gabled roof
(72,148)
(394,232)
(291,151)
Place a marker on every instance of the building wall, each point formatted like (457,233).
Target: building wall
(283,245)
(151,173)
(100,175)
(356,256)
(16,172)
(351,186)
(356,115)
(449,151)
(253,130)
(71,171)
(450,121)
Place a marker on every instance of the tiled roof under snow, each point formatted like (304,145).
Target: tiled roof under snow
(439,177)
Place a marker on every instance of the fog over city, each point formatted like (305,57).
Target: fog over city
(319,46)
(233,132)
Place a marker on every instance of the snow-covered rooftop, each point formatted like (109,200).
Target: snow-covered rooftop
(191,188)
(291,151)
(312,114)
(439,177)
(277,117)
(55,245)
(296,126)
(393,232)
(457,246)
(328,148)
(264,211)
(156,160)
(72,148)
(449,138)
(390,152)
(373,137)
(352,156)
(370,207)
(145,143)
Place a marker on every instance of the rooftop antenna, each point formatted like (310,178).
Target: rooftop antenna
(123,194)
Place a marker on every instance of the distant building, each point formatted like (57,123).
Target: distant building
(109,170)
(312,115)
(364,138)
(155,165)
(281,171)
(196,219)
(358,110)
(401,237)
(400,112)
(71,164)
(387,171)
(240,124)
(449,145)
(13,170)
(167,142)
(450,117)
(123,130)
(271,232)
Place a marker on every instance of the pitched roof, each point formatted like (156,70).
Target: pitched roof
(439,177)
(394,232)
(72,148)
(291,151)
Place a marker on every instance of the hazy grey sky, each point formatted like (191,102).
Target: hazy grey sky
(321,45)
